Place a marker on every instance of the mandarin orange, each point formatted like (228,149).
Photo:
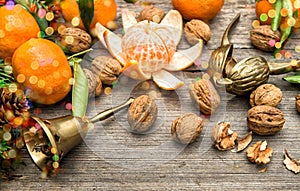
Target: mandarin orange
(16,27)
(42,69)
(104,12)
(198,9)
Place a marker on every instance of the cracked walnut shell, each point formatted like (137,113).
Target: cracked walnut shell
(298,102)
(266,94)
(195,30)
(224,138)
(259,153)
(186,128)
(265,120)
(142,114)
(205,95)
(75,40)
(108,69)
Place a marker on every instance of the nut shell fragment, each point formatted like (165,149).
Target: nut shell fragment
(94,83)
(259,153)
(108,69)
(142,113)
(291,164)
(298,103)
(223,137)
(266,94)
(205,95)
(195,30)
(265,120)
(186,128)
(244,142)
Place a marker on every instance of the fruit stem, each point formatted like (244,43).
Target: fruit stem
(80,53)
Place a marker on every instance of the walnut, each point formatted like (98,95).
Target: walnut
(151,13)
(290,163)
(205,95)
(298,102)
(224,138)
(94,83)
(262,36)
(107,68)
(266,94)
(186,128)
(74,40)
(265,120)
(195,30)
(259,153)
(142,113)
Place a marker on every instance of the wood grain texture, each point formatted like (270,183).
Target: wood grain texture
(123,161)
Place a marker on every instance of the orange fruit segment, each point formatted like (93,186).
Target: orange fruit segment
(104,12)
(43,71)
(16,27)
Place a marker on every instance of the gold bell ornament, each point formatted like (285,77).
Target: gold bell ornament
(49,140)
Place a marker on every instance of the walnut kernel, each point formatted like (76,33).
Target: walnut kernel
(259,153)
(186,128)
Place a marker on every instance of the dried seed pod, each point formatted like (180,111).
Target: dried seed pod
(259,153)
(94,83)
(262,35)
(195,30)
(266,94)
(108,69)
(142,113)
(223,137)
(186,128)
(290,163)
(151,13)
(75,40)
(298,102)
(265,120)
(205,95)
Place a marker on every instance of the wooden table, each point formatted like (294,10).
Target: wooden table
(121,160)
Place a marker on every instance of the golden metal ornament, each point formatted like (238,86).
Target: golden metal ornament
(64,133)
(223,54)
(251,72)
